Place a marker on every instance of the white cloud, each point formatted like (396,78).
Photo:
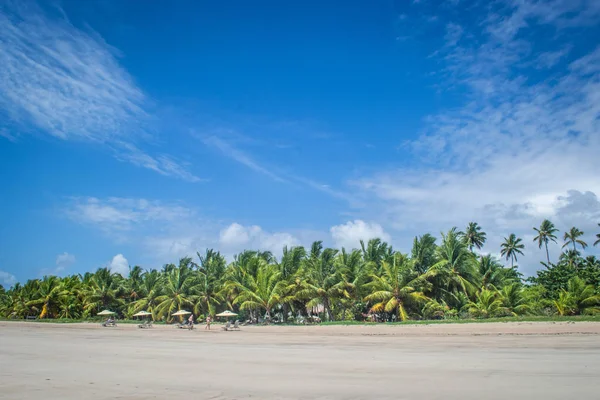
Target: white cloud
(518,151)
(163,164)
(241,157)
(236,237)
(350,234)
(116,214)
(120,265)
(64,260)
(7,279)
(68,83)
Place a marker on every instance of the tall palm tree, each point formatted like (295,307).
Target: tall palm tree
(572,237)
(150,290)
(494,275)
(323,281)
(48,296)
(456,271)
(423,253)
(597,238)
(179,291)
(262,292)
(211,272)
(511,247)
(398,288)
(473,236)
(375,252)
(103,289)
(546,232)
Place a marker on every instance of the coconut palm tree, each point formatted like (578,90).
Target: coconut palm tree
(423,253)
(323,281)
(375,252)
(473,236)
(456,269)
(545,233)
(487,304)
(260,292)
(150,289)
(572,237)
(494,275)
(578,298)
(211,272)
(103,289)
(179,291)
(397,289)
(583,296)
(50,290)
(511,247)
(513,299)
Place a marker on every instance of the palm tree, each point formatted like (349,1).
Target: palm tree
(423,253)
(514,300)
(578,298)
(494,275)
(572,237)
(398,288)
(597,238)
(261,292)
(511,247)
(179,291)
(473,236)
(546,233)
(103,289)
(323,281)
(487,304)
(211,272)
(48,296)
(150,290)
(456,271)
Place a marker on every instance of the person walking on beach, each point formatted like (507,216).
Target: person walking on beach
(208,320)
(191,321)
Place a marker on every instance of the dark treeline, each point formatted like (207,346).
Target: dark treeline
(441,278)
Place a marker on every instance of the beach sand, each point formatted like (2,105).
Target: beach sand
(446,361)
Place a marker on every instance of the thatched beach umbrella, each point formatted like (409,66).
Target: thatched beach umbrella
(106,312)
(142,314)
(226,314)
(181,312)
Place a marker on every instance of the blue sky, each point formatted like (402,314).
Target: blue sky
(137,134)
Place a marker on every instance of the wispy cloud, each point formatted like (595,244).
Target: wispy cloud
(114,214)
(66,82)
(63,80)
(518,151)
(240,156)
(229,150)
(7,279)
(163,164)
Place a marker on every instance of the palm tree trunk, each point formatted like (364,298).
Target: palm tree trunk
(547,254)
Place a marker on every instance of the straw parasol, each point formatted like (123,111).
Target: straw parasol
(106,312)
(226,314)
(141,314)
(181,312)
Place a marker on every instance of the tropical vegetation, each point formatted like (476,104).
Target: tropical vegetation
(446,279)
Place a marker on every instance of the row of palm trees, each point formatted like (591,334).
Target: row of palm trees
(445,280)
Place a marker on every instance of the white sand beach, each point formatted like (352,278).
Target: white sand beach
(449,361)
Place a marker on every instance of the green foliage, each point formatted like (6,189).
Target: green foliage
(437,281)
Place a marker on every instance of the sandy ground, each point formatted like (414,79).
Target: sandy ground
(458,361)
